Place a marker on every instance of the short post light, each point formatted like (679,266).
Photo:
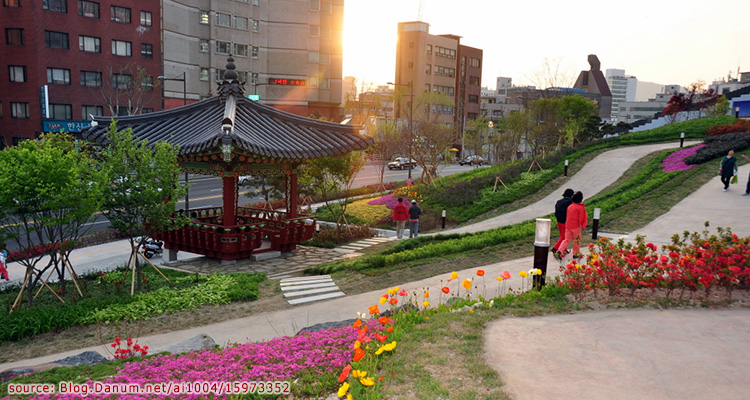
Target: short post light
(595,226)
(541,250)
(443,224)
(736,112)
(566,168)
(682,139)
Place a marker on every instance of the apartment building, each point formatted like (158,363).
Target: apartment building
(623,88)
(64,61)
(289,52)
(438,64)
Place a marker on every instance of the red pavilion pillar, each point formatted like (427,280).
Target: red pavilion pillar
(291,193)
(229,198)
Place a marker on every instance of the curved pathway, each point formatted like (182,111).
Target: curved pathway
(594,177)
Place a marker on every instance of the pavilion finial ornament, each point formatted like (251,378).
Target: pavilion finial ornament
(231,85)
(230,74)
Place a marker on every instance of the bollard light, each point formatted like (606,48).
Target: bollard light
(443,219)
(597,213)
(682,138)
(595,225)
(736,112)
(541,249)
(566,168)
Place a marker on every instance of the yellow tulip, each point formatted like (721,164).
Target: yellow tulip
(383,299)
(426,304)
(523,274)
(454,275)
(358,374)
(538,271)
(357,344)
(343,389)
(367,381)
(499,278)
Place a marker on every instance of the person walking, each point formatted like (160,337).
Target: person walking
(400,215)
(575,220)
(414,213)
(561,214)
(3,264)
(728,169)
(747,189)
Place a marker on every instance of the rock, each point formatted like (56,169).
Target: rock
(87,357)
(326,325)
(197,342)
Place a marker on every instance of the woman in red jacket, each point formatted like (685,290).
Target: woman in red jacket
(577,219)
(400,215)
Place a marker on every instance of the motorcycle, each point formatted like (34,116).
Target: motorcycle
(152,247)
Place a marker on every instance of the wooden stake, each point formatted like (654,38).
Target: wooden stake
(152,264)
(45,281)
(73,274)
(135,270)
(20,293)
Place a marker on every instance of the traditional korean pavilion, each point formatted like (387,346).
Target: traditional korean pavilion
(229,135)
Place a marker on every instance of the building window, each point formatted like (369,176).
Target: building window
(475,62)
(58,76)
(441,109)
(427,87)
(19,110)
(256,2)
(17,73)
(449,90)
(429,49)
(220,74)
(223,20)
(14,36)
(254,78)
(121,48)
(313,57)
(145,110)
(147,83)
(445,52)
(56,40)
(87,112)
(240,50)
(428,69)
(90,44)
(473,99)
(314,5)
(204,74)
(91,78)
(205,46)
(13,3)
(55,5)
(313,81)
(240,23)
(325,83)
(242,76)
(147,50)
(121,111)
(121,81)
(256,52)
(61,111)
(445,71)
(88,9)
(223,47)
(204,18)
(146,18)
(120,14)
(315,30)
(256,26)
(474,80)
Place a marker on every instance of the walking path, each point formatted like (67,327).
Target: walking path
(613,354)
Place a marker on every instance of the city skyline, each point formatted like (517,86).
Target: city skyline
(667,42)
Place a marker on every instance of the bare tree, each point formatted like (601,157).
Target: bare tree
(126,89)
(551,74)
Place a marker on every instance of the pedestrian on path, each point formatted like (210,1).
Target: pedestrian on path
(3,265)
(575,220)
(728,169)
(414,213)
(747,189)
(400,215)
(561,213)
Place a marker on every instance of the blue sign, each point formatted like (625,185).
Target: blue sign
(255,97)
(67,126)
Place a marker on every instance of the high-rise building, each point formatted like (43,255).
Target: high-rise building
(64,61)
(289,52)
(439,64)
(623,88)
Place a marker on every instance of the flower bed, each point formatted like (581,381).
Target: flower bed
(676,160)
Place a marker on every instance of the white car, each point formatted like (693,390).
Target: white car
(244,179)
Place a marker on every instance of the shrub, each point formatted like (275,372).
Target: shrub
(739,125)
(719,145)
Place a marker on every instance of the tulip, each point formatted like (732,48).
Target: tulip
(446,290)
(454,275)
(480,272)
(466,284)
(523,274)
(343,389)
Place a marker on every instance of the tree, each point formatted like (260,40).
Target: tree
(721,107)
(144,189)
(271,187)
(48,192)
(476,134)
(551,74)
(429,138)
(696,97)
(387,141)
(126,89)
(329,176)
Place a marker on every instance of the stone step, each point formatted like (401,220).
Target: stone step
(311,291)
(308,286)
(316,298)
(309,278)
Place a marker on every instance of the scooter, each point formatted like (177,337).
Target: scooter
(152,247)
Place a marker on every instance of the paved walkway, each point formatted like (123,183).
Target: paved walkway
(613,354)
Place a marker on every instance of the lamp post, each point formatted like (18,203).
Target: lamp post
(184,103)
(411,116)
(541,250)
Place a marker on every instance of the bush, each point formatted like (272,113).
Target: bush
(739,125)
(718,146)
(330,237)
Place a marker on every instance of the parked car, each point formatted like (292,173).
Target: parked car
(402,163)
(243,179)
(471,160)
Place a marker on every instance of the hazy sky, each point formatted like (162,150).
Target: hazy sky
(662,41)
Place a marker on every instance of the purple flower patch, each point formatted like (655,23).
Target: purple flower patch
(387,200)
(675,161)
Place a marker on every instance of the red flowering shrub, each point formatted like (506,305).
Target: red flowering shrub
(740,125)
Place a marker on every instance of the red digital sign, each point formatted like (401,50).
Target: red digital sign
(284,81)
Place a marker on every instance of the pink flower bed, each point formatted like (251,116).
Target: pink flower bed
(675,161)
(388,201)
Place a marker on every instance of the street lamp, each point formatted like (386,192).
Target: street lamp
(184,103)
(411,115)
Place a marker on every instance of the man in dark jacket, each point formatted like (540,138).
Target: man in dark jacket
(561,210)
(414,213)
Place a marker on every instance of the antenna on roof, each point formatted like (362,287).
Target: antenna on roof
(419,11)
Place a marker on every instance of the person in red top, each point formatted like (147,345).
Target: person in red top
(400,215)
(576,220)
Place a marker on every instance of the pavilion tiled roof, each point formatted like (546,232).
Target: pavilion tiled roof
(251,125)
